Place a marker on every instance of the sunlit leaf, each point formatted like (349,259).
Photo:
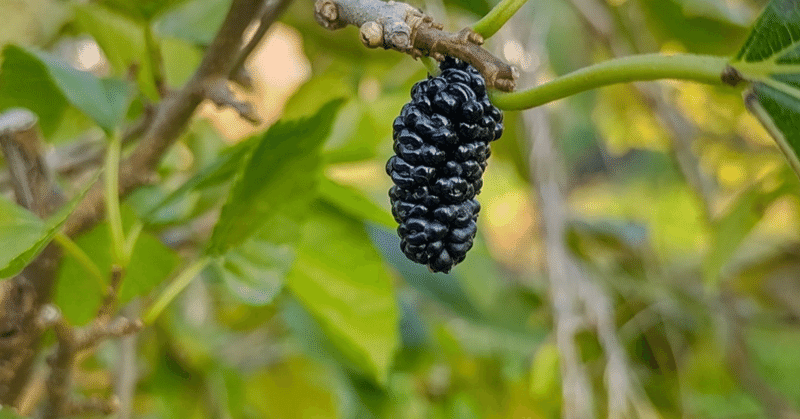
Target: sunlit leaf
(78,293)
(770,61)
(297,388)
(353,202)
(731,229)
(341,280)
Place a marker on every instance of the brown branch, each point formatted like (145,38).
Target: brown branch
(273,11)
(399,26)
(171,117)
(169,120)
(31,178)
(85,155)
(218,91)
(71,342)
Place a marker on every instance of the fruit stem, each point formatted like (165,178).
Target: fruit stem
(431,65)
(644,67)
(497,17)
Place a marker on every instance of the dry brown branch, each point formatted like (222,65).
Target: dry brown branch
(272,12)
(31,178)
(218,91)
(71,342)
(578,301)
(399,26)
(84,155)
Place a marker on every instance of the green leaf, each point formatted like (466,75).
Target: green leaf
(24,235)
(354,203)
(123,43)
(46,85)
(78,294)
(195,21)
(770,60)
(731,229)
(25,82)
(297,388)
(280,176)
(220,171)
(104,100)
(340,278)
(180,60)
(255,271)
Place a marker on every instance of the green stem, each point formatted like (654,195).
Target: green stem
(497,17)
(431,65)
(81,257)
(133,236)
(699,68)
(112,199)
(174,288)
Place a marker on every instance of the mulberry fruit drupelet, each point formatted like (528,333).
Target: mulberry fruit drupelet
(441,143)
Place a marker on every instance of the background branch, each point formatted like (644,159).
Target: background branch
(22,296)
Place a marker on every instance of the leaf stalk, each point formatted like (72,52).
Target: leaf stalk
(645,67)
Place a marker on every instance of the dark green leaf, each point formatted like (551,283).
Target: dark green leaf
(341,280)
(26,82)
(770,60)
(45,86)
(195,21)
(280,176)
(79,295)
(24,235)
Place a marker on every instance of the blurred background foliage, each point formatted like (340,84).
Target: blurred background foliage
(322,316)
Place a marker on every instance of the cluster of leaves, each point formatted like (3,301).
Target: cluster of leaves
(307,308)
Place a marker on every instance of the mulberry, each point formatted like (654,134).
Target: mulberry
(441,143)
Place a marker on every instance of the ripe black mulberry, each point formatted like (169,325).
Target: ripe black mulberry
(441,143)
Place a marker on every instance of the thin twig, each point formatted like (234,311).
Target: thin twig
(169,120)
(273,11)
